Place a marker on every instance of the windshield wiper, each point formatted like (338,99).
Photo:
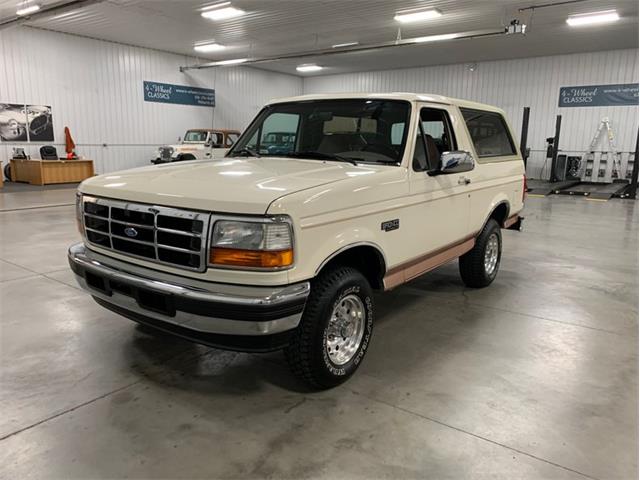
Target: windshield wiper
(247,152)
(322,156)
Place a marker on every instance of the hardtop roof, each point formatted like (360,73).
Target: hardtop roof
(407,96)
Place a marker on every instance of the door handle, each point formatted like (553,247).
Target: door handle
(464,181)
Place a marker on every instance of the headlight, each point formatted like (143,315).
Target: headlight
(263,243)
(79,213)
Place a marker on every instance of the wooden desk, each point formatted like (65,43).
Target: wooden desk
(44,172)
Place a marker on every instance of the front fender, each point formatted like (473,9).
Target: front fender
(318,248)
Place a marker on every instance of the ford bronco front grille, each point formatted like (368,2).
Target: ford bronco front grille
(160,234)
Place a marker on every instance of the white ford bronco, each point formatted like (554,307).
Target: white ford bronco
(282,248)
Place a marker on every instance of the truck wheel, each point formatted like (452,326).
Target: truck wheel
(479,266)
(335,329)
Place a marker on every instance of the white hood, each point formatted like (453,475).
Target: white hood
(234,185)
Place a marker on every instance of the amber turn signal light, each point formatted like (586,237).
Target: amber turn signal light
(251,258)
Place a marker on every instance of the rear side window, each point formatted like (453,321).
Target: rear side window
(489,133)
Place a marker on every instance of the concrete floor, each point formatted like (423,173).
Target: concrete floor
(533,377)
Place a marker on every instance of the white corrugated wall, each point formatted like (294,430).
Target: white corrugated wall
(514,84)
(95,88)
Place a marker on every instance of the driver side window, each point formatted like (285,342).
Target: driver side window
(434,137)
(215,139)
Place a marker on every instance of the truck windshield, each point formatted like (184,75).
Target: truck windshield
(195,136)
(360,130)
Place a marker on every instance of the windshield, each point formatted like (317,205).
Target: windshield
(195,136)
(356,129)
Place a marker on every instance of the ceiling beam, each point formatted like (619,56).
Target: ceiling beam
(340,51)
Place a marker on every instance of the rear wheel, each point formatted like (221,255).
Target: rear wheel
(335,329)
(479,266)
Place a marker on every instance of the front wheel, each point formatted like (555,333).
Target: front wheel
(335,329)
(479,266)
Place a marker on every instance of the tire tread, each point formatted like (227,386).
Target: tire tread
(471,264)
(298,353)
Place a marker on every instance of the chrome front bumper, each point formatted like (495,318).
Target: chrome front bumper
(217,309)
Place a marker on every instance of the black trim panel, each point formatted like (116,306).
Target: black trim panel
(238,343)
(169,305)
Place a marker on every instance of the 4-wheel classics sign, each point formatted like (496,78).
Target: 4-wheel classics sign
(179,94)
(599,95)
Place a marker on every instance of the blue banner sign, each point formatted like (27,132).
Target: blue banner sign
(599,95)
(179,94)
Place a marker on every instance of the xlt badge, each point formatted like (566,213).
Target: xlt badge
(390,225)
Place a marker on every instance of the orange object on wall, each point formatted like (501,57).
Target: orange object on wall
(69,145)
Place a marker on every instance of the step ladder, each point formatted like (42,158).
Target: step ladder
(605,167)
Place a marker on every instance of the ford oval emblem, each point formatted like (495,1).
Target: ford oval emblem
(131,232)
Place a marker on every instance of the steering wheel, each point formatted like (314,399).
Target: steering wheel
(380,148)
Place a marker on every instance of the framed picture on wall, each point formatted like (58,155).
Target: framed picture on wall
(13,122)
(40,123)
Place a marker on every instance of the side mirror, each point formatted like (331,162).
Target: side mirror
(455,162)
(179,139)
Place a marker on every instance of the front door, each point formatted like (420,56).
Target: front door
(441,206)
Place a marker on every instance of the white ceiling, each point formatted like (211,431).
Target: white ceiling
(275,27)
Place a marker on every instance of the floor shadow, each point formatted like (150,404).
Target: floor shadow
(204,369)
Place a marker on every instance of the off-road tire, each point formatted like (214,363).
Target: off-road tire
(306,353)
(472,264)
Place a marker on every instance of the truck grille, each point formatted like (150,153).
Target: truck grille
(165,153)
(164,235)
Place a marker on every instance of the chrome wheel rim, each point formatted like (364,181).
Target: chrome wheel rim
(345,330)
(491,253)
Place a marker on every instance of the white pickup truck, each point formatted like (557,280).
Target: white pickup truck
(269,250)
(198,144)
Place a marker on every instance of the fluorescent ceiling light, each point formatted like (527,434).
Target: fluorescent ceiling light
(215,5)
(233,61)
(435,38)
(66,14)
(208,47)
(308,68)
(348,44)
(221,11)
(417,16)
(593,18)
(28,9)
